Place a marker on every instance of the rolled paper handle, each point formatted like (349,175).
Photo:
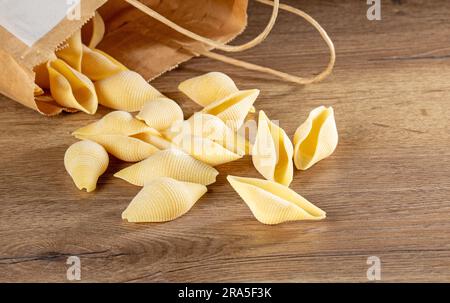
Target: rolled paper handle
(260,38)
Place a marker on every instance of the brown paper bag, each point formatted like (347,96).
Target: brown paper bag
(132,37)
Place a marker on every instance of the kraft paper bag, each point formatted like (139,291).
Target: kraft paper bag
(138,41)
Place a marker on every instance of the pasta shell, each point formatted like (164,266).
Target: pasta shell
(41,76)
(73,52)
(316,138)
(86,161)
(205,150)
(273,203)
(163,199)
(38,91)
(234,108)
(97,65)
(71,88)
(126,91)
(125,148)
(272,152)
(154,138)
(171,163)
(160,113)
(114,123)
(213,128)
(208,88)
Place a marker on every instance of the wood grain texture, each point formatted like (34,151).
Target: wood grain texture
(386,188)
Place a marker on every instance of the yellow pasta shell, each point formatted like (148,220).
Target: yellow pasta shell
(154,138)
(126,90)
(73,52)
(213,128)
(163,199)
(71,88)
(205,150)
(123,147)
(97,65)
(171,163)
(234,108)
(86,161)
(316,138)
(160,113)
(114,123)
(208,88)
(272,152)
(273,203)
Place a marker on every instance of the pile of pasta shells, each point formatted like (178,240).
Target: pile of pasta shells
(174,158)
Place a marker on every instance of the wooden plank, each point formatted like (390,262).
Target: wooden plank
(386,189)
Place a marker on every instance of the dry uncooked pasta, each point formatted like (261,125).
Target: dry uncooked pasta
(71,88)
(97,65)
(126,91)
(163,199)
(316,138)
(213,128)
(272,152)
(86,161)
(234,108)
(273,203)
(205,150)
(171,163)
(160,113)
(125,148)
(114,123)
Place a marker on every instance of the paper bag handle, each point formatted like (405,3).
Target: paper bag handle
(257,40)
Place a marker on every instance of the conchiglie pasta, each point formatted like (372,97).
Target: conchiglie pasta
(125,148)
(316,138)
(208,88)
(160,113)
(71,88)
(86,161)
(154,138)
(213,128)
(205,150)
(97,30)
(273,203)
(234,108)
(163,199)
(72,54)
(272,152)
(114,123)
(126,91)
(171,163)
(97,65)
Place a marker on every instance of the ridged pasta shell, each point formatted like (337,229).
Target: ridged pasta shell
(205,150)
(86,161)
(72,54)
(160,113)
(272,152)
(125,148)
(213,128)
(316,138)
(234,108)
(208,88)
(71,88)
(154,138)
(171,163)
(114,123)
(97,65)
(126,90)
(273,203)
(163,199)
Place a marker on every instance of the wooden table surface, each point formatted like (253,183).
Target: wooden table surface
(386,189)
